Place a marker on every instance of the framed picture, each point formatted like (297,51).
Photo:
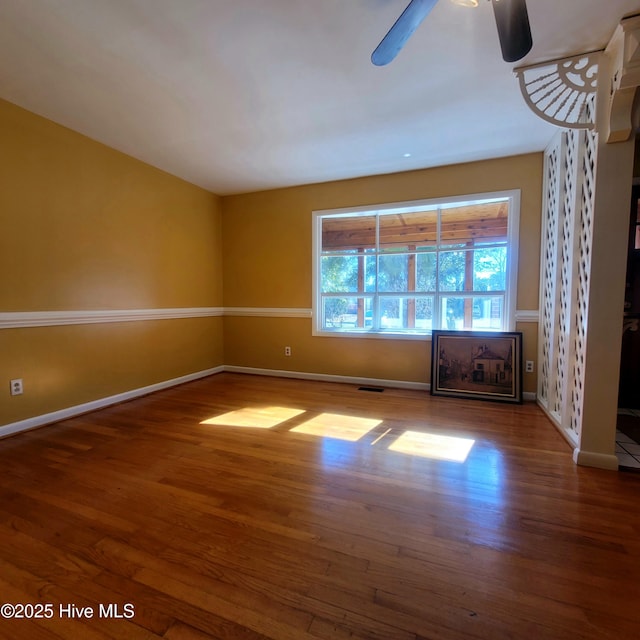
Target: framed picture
(480,365)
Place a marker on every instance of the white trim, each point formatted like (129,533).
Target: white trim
(26,319)
(316,302)
(593,459)
(529,396)
(524,315)
(568,434)
(527,315)
(513,252)
(409,206)
(324,377)
(70,412)
(21,319)
(375,335)
(267,312)
(561,97)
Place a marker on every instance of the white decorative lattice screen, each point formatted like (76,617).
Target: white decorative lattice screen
(567,228)
(552,175)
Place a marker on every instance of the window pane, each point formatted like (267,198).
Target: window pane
(333,312)
(424,314)
(452,314)
(488,313)
(370,277)
(339,274)
(408,231)
(392,313)
(466,313)
(367,304)
(426,272)
(348,233)
(403,313)
(451,270)
(490,269)
(347,313)
(393,273)
(463,223)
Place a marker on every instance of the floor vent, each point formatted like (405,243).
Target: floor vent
(374,389)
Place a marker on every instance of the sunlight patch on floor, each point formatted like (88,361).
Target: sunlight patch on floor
(432,445)
(255,417)
(333,425)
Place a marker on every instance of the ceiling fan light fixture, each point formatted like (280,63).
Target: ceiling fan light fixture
(512,22)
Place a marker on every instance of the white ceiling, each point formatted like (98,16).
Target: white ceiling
(243,95)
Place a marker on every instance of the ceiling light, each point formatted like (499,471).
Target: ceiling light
(466,3)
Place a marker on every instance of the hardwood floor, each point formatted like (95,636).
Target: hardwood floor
(209,530)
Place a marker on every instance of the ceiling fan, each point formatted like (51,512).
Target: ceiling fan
(511,17)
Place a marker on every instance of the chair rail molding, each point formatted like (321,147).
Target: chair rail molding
(23,319)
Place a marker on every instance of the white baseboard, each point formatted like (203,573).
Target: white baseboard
(324,377)
(593,459)
(70,412)
(569,435)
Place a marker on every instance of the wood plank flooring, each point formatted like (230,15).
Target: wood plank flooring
(218,509)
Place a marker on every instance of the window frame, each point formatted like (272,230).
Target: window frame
(511,275)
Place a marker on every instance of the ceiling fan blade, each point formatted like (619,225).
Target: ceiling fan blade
(405,25)
(514,31)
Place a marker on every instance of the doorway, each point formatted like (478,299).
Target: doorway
(629,389)
(628,438)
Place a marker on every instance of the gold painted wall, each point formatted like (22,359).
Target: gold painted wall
(267,256)
(84,227)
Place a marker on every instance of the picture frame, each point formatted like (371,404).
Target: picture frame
(477,364)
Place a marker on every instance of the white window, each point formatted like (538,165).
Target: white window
(407,268)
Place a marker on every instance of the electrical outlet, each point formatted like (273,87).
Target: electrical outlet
(287,351)
(528,366)
(16,387)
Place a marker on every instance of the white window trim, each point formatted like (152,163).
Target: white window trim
(513,237)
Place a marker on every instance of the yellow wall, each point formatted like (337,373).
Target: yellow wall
(84,227)
(268,254)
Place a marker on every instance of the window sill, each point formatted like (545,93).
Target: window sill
(381,335)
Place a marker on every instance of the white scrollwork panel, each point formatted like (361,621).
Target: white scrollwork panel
(559,91)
